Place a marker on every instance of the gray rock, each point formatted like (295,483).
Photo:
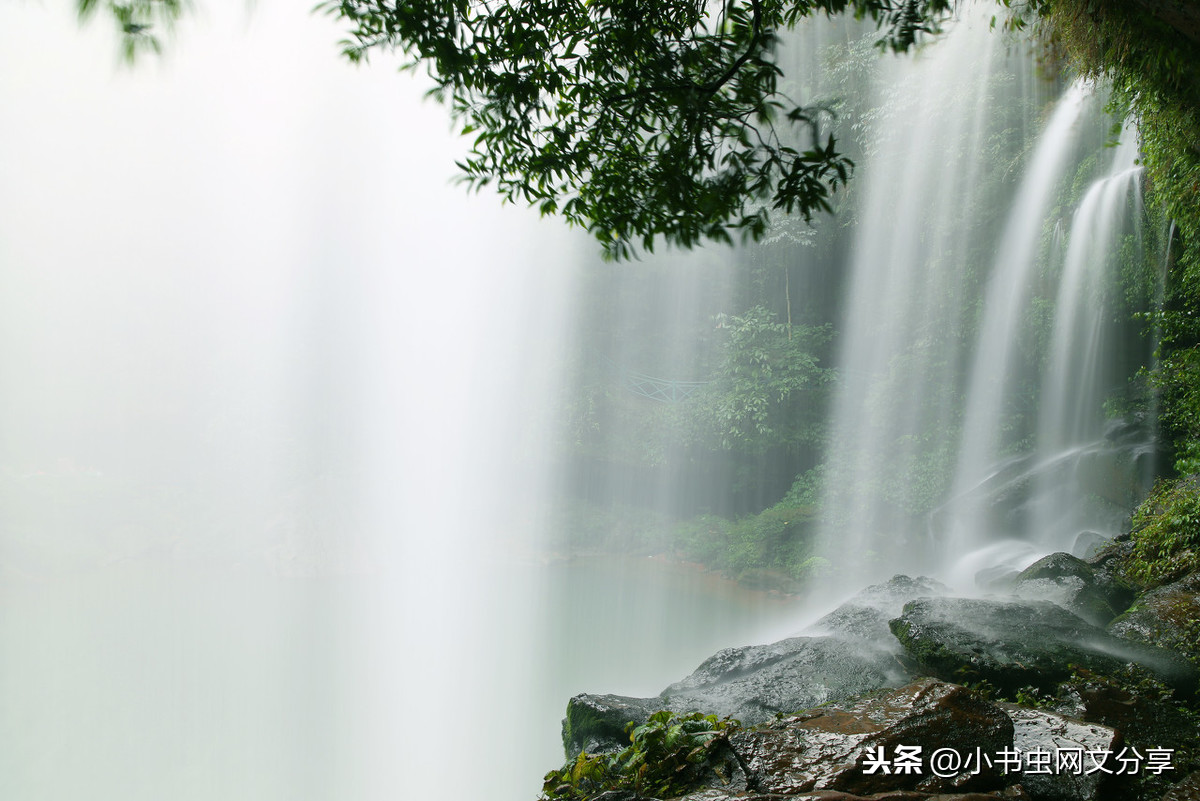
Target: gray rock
(1040,732)
(596,723)
(831,748)
(1144,720)
(866,615)
(852,620)
(755,683)
(751,684)
(1017,644)
(1075,585)
(1014,793)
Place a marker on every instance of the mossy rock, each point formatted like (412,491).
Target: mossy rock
(597,723)
(1070,582)
(1012,645)
(1167,617)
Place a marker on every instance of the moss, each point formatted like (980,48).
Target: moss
(1166,534)
(930,656)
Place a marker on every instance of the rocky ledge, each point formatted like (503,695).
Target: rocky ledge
(1067,688)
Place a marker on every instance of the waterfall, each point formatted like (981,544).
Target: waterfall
(952,391)
(1067,491)
(273,409)
(905,315)
(996,384)
(1074,382)
(1007,295)
(1083,366)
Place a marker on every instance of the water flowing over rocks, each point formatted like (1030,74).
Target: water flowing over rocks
(867,613)
(754,683)
(751,684)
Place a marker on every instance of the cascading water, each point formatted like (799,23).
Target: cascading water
(992,382)
(1083,367)
(270,416)
(928,410)
(1010,507)
(997,385)
(1073,383)
(895,413)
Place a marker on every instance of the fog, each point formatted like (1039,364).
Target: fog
(268,393)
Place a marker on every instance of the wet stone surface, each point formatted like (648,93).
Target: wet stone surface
(833,748)
(750,684)
(1166,617)
(1074,585)
(1053,776)
(1015,644)
(867,613)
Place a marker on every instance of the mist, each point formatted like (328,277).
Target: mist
(264,424)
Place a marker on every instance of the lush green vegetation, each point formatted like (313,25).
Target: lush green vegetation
(1166,533)
(771,550)
(667,756)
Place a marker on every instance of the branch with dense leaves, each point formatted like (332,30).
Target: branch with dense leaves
(637,120)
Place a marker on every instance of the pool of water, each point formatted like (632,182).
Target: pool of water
(150,679)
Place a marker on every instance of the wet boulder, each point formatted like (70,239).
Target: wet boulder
(750,684)
(1054,749)
(867,613)
(1075,585)
(1166,617)
(1016,644)
(1186,790)
(1145,720)
(882,742)
(753,684)
(596,723)
(1014,793)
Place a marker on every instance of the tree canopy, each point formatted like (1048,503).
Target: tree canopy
(634,119)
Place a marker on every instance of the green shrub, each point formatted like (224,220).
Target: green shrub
(778,541)
(1166,533)
(667,756)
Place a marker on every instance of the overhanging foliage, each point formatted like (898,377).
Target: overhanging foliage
(636,120)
